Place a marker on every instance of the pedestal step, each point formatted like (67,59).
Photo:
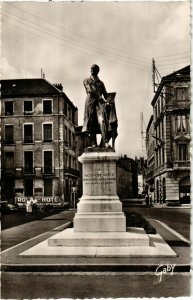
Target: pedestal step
(100,222)
(69,238)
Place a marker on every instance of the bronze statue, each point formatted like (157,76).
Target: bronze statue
(98,110)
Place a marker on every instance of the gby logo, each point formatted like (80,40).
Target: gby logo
(164,269)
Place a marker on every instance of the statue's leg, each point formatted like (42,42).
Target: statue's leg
(93,139)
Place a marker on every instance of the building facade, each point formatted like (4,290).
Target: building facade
(168,139)
(38,153)
(127,178)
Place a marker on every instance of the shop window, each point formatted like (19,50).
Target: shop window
(47,106)
(9,139)
(28,107)
(47,132)
(47,187)
(9,108)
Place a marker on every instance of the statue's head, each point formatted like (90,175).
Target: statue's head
(95,70)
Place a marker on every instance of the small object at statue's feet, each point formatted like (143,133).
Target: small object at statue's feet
(107,145)
(94,145)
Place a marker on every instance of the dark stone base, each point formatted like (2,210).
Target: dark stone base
(98,149)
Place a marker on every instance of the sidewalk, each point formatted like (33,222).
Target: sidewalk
(182,206)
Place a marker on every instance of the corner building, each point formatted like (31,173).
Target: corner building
(168,133)
(38,125)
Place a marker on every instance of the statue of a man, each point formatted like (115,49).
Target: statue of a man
(95,115)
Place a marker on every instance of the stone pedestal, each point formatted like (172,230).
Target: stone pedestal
(99,209)
(99,221)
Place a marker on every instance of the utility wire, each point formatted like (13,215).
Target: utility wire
(122,62)
(76,41)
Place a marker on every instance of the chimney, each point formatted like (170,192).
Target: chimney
(59,86)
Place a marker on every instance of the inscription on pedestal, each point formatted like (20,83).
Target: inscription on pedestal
(98,182)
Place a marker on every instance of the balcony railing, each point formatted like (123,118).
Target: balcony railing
(181,164)
(28,170)
(71,171)
(8,171)
(179,104)
(49,170)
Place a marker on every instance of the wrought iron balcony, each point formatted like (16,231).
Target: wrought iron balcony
(71,171)
(8,171)
(181,164)
(48,170)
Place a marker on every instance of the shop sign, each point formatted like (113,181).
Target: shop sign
(41,200)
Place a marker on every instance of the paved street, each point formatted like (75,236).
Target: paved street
(93,285)
(176,218)
(72,284)
(13,232)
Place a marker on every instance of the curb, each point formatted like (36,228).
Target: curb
(88,268)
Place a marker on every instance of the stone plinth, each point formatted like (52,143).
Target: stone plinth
(99,224)
(99,209)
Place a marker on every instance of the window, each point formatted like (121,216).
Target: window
(47,106)
(28,187)
(70,161)
(9,139)
(181,94)
(28,107)
(9,162)
(69,137)
(65,108)
(182,152)
(48,162)
(47,132)
(66,159)
(28,133)
(181,123)
(8,108)
(47,187)
(28,162)
(65,135)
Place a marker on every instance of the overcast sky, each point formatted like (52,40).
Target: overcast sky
(66,38)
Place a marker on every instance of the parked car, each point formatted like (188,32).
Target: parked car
(7,208)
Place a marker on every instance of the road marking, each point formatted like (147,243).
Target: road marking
(37,236)
(173,231)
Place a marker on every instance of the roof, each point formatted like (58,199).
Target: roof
(180,75)
(20,87)
(149,123)
(13,88)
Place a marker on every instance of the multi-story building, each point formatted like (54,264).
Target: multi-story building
(38,125)
(169,133)
(127,183)
(150,145)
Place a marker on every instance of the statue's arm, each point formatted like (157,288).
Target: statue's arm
(105,94)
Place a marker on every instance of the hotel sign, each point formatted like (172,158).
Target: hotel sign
(55,201)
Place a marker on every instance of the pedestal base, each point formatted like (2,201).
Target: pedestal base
(69,238)
(157,246)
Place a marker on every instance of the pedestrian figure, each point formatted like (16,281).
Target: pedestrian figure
(147,200)
(34,206)
(28,207)
(150,200)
